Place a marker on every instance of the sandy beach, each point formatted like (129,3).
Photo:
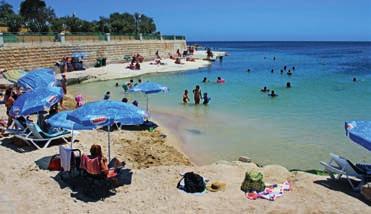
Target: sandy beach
(153,168)
(119,70)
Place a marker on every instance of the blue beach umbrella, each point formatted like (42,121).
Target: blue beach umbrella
(359,132)
(59,120)
(106,113)
(35,101)
(42,77)
(148,88)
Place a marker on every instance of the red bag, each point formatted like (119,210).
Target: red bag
(55,163)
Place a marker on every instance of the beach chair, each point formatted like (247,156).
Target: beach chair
(16,127)
(36,135)
(339,166)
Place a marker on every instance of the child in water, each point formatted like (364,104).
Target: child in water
(185,97)
(206,99)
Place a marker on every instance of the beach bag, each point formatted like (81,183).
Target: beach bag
(192,183)
(253,182)
(55,163)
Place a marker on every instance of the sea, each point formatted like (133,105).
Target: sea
(296,129)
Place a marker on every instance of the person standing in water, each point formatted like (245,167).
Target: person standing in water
(206,99)
(204,80)
(197,94)
(185,97)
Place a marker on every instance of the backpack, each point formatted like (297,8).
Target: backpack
(55,163)
(192,183)
(253,182)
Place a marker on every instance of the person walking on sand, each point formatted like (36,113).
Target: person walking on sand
(197,94)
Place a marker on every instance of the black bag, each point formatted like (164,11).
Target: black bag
(192,183)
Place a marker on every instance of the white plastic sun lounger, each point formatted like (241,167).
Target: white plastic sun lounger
(36,135)
(339,166)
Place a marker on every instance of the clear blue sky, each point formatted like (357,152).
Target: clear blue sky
(241,20)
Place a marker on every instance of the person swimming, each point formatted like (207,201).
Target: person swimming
(284,67)
(124,100)
(135,103)
(264,89)
(272,71)
(293,68)
(248,70)
(354,79)
(289,72)
(204,80)
(219,80)
(281,71)
(274,58)
(206,99)
(185,97)
(273,94)
(107,95)
(288,85)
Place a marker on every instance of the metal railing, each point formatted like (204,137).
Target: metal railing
(28,37)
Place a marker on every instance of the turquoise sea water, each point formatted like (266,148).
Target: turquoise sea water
(297,129)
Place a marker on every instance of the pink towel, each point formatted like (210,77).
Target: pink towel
(92,166)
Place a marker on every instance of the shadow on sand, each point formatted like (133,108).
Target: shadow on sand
(342,186)
(88,189)
(20,146)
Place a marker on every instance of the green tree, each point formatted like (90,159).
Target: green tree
(37,16)
(122,23)
(14,23)
(146,25)
(58,25)
(6,10)
(103,25)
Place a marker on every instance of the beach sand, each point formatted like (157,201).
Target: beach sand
(151,175)
(153,166)
(119,70)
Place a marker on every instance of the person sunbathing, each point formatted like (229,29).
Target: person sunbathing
(137,66)
(105,167)
(190,59)
(177,61)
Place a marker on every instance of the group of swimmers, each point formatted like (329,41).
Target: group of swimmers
(288,84)
(197,95)
(107,96)
(218,80)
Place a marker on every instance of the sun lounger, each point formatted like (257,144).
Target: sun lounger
(16,127)
(36,134)
(339,166)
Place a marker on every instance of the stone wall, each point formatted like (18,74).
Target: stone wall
(28,56)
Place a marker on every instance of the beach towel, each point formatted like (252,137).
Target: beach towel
(91,166)
(270,193)
(65,155)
